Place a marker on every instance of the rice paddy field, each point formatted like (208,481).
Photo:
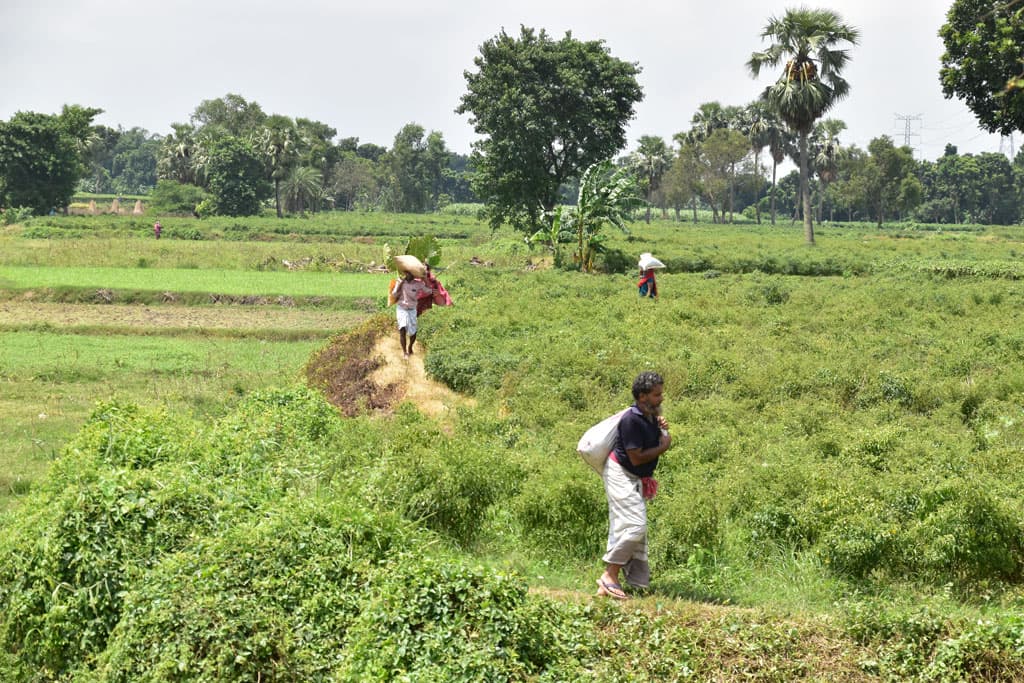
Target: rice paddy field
(844,499)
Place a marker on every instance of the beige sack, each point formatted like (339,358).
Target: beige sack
(411,264)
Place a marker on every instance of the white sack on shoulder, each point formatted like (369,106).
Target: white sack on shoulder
(598,441)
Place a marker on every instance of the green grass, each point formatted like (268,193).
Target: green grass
(846,472)
(233,282)
(50,383)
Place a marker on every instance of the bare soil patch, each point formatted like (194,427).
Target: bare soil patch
(364,370)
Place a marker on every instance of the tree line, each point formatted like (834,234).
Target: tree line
(546,110)
(729,159)
(229,158)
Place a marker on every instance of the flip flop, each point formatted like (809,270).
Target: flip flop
(612,590)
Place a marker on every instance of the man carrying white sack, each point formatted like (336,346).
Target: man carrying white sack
(628,482)
(406,292)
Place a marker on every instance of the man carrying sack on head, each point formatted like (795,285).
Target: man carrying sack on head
(406,292)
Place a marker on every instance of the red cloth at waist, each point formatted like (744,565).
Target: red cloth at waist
(649,485)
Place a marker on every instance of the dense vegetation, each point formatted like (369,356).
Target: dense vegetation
(843,501)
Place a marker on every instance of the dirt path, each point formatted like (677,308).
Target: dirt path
(432,398)
(365,370)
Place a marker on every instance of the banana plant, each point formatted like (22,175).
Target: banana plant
(556,234)
(605,196)
(424,247)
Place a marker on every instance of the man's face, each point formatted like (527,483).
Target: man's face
(651,402)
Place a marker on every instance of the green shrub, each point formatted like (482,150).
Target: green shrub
(12,215)
(444,484)
(120,434)
(561,509)
(771,526)
(919,643)
(436,620)
(63,576)
(272,599)
(681,519)
(960,531)
(170,196)
(859,541)
(269,423)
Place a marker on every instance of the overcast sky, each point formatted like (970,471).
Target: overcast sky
(367,68)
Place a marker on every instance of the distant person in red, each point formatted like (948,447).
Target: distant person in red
(157,229)
(647,286)
(407,292)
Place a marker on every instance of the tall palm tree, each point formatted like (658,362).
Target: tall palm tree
(277,142)
(780,146)
(176,150)
(811,82)
(756,124)
(827,154)
(651,160)
(301,186)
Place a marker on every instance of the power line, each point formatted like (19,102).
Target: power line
(1006,146)
(907,131)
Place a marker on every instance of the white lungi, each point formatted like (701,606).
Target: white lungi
(627,524)
(406,318)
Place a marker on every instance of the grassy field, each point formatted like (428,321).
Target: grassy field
(844,500)
(52,380)
(237,282)
(58,358)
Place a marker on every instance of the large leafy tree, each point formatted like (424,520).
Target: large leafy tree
(133,166)
(417,164)
(807,41)
(237,177)
(317,148)
(982,64)
(42,158)
(546,110)
(723,149)
(997,203)
(354,181)
(681,184)
(884,179)
(231,115)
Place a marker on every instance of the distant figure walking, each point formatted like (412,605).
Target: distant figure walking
(647,287)
(157,229)
(406,292)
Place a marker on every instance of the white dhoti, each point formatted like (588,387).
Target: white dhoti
(406,318)
(627,524)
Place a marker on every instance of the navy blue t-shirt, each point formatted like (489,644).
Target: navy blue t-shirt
(636,431)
